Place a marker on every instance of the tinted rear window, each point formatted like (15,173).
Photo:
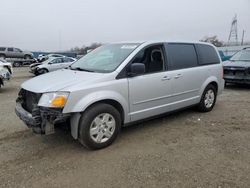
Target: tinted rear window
(2,49)
(181,56)
(207,54)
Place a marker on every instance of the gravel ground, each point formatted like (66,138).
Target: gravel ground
(185,149)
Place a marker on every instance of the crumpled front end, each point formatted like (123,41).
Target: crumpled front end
(40,119)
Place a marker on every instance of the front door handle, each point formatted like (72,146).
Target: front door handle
(178,76)
(166,78)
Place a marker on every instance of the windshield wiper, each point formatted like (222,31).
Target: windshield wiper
(80,69)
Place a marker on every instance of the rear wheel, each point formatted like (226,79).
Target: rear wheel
(99,126)
(208,99)
(17,64)
(2,56)
(27,57)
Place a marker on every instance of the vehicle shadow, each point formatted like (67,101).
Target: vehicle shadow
(63,138)
(238,86)
(159,121)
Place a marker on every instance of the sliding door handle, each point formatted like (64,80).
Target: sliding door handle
(166,78)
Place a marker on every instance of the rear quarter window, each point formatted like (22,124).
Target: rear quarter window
(2,49)
(181,56)
(207,54)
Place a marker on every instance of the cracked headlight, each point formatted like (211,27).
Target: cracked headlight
(53,100)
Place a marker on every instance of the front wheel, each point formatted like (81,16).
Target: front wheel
(42,71)
(99,126)
(208,99)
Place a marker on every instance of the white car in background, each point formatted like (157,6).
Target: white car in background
(43,57)
(52,64)
(6,65)
(4,75)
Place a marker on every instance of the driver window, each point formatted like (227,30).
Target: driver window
(152,57)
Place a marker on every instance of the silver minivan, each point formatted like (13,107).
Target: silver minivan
(120,84)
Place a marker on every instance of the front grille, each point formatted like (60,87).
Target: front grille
(235,71)
(29,99)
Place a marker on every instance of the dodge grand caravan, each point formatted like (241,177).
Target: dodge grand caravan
(119,84)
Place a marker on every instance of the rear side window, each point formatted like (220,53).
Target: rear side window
(10,49)
(2,49)
(181,56)
(66,59)
(207,54)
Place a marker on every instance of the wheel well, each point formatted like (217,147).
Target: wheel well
(44,69)
(113,103)
(215,85)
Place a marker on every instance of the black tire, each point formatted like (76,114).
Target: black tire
(27,57)
(2,56)
(202,107)
(17,64)
(87,119)
(42,71)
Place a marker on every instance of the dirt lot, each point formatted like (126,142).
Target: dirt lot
(186,149)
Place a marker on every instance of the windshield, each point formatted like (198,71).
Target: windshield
(105,58)
(243,55)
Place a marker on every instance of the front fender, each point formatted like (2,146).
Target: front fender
(88,100)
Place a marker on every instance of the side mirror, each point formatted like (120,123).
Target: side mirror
(49,63)
(136,69)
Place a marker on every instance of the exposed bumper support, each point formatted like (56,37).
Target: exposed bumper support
(42,120)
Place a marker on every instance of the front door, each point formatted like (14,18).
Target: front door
(150,93)
(56,64)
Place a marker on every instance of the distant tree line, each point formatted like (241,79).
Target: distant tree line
(84,49)
(213,40)
(219,43)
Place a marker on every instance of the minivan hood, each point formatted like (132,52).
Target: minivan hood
(59,80)
(236,63)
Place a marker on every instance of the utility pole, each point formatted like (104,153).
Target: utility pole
(233,35)
(242,40)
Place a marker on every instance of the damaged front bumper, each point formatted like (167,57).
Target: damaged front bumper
(41,120)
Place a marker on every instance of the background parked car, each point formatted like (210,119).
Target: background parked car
(10,52)
(42,57)
(4,75)
(223,56)
(237,68)
(6,65)
(52,64)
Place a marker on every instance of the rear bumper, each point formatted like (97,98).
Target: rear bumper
(41,120)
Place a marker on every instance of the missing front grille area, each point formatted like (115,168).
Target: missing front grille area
(29,99)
